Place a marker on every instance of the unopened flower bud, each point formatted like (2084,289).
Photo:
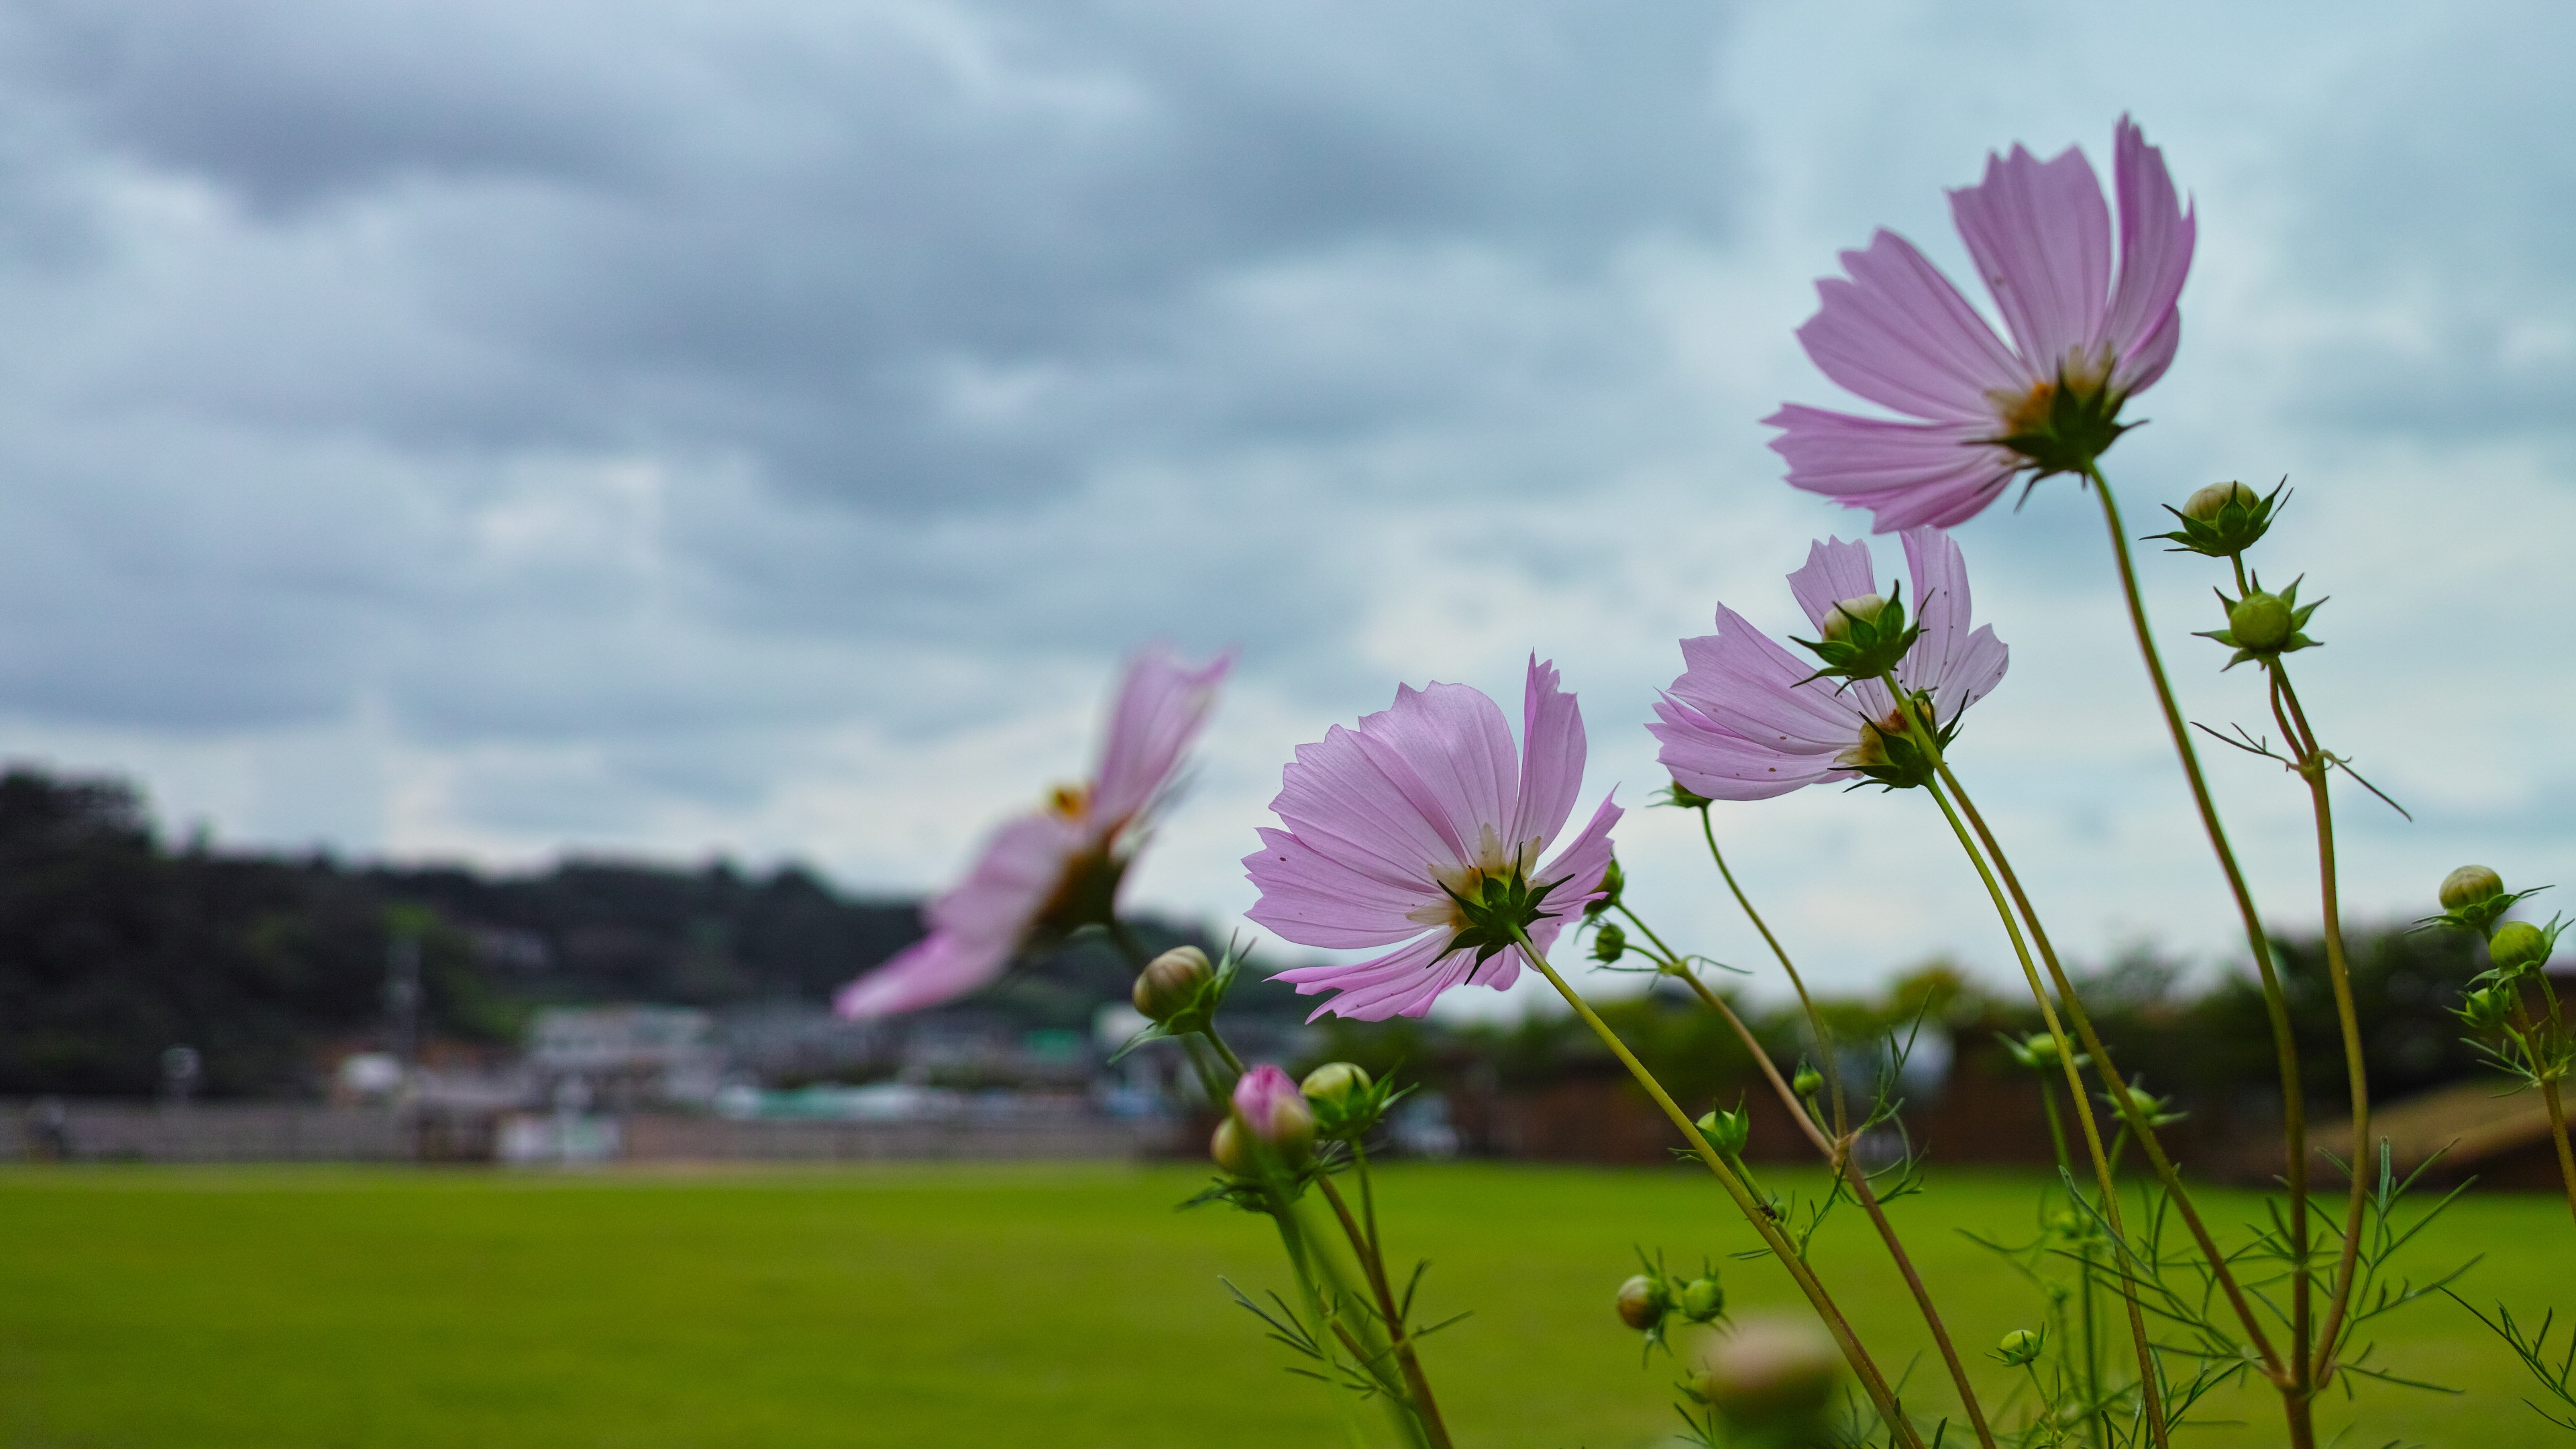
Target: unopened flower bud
(2040,1051)
(1860,609)
(1642,1303)
(1229,1150)
(2488,1010)
(1609,943)
(1273,1114)
(1333,1082)
(2205,505)
(2518,946)
(2470,885)
(2260,621)
(2019,1347)
(1770,1374)
(1727,1131)
(1613,881)
(1808,1082)
(1171,982)
(1703,1300)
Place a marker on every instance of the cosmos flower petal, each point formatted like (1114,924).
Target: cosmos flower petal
(1578,869)
(978,924)
(1712,760)
(1747,682)
(1400,983)
(1835,571)
(1973,673)
(1906,474)
(940,967)
(2157,236)
(1337,788)
(1317,899)
(1450,750)
(2040,234)
(1896,332)
(1552,755)
(1161,705)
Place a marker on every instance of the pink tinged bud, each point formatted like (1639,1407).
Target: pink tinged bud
(1770,1372)
(1274,1113)
(1171,982)
(1641,1302)
(2470,885)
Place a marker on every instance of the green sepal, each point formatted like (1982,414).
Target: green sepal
(2480,917)
(1500,912)
(2297,640)
(1873,646)
(1358,1114)
(2080,427)
(2238,526)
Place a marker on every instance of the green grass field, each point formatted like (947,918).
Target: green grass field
(935,1305)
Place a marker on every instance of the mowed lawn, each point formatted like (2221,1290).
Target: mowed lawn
(936,1305)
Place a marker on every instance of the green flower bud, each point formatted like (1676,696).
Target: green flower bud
(1171,982)
(1727,1131)
(1613,881)
(1770,1374)
(2019,1347)
(1861,609)
(2260,622)
(2205,505)
(2223,520)
(2488,1010)
(1232,1150)
(1609,943)
(1703,1300)
(1642,1302)
(1808,1082)
(1334,1082)
(2518,946)
(2470,885)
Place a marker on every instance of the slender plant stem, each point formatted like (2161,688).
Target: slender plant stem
(2558,1130)
(1807,1003)
(1755,1212)
(2147,1385)
(2549,1098)
(1416,1387)
(2139,1127)
(1847,1163)
(2313,765)
(2294,1112)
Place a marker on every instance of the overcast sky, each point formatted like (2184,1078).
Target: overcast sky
(489,430)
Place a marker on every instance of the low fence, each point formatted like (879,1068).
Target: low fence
(94,1131)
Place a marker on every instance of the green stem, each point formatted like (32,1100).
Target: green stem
(1417,1388)
(2313,765)
(2139,1126)
(1755,1212)
(2294,1114)
(1907,710)
(1839,1154)
(1815,1019)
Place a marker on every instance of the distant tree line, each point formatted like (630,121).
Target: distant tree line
(115,946)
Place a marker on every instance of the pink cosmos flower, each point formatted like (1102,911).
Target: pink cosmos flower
(2084,339)
(1425,826)
(1749,720)
(1059,867)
